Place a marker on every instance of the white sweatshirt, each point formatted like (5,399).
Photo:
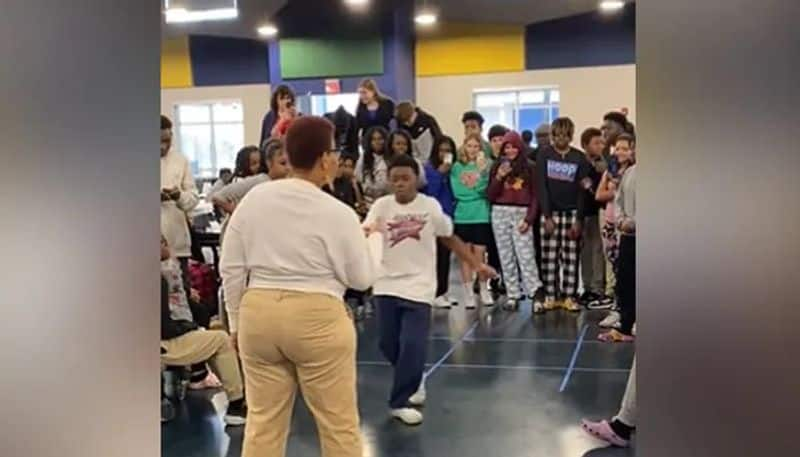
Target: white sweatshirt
(175,172)
(289,234)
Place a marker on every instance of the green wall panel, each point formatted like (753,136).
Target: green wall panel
(315,58)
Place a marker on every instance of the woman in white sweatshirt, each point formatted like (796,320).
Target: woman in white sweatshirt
(291,250)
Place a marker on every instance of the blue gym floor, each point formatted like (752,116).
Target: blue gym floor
(500,384)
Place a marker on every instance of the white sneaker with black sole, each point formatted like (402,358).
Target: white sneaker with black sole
(486,295)
(441,302)
(469,298)
(601,303)
(408,416)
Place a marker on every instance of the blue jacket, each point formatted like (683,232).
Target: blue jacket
(439,188)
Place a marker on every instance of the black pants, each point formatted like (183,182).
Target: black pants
(537,245)
(626,283)
(442,269)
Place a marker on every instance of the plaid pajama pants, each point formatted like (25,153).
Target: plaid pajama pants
(560,253)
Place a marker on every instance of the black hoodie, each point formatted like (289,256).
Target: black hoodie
(559,180)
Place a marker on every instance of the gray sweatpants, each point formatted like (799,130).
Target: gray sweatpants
(593,259)
(515,249)
(627,411)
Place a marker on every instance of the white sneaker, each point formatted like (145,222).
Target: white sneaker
(418,399)
(452,299)
(441,302)
(538,307)
(611,321)
(409,416)
(469,298)
(486,296)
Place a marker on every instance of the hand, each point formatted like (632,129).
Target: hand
(524,226)
(376,226)
(165,196)
(227,206)
(234,340)
(444,168)
(485,272)
(612,185)
(503,170)
(574,233)
(549,226)
(194,295)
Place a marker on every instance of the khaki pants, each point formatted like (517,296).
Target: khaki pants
(207,345)
(290,339)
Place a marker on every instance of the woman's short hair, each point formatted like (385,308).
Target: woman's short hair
(308,138)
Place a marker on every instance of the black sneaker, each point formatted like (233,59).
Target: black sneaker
(236,414)
(587,297)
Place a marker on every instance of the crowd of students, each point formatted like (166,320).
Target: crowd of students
(523,219)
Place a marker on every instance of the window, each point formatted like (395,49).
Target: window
(209,134)
(327,103)
(523,109)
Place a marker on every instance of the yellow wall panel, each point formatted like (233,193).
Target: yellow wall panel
(176,66)
(454,48)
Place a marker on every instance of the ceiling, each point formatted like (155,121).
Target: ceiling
(253,13)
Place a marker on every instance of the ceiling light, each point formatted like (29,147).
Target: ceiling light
(267,30)
(182,15)
(611,5)
(356,2)
(425,18)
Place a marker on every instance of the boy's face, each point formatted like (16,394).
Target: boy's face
(165,254)
(166,141)
(624,151)
(346,168)
(279,166)
(404,183)
(561,139)
(542,139)
(611,130)
(497,143)
(472,126)
(595,146)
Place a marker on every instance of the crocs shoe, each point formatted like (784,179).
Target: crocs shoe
(603,431)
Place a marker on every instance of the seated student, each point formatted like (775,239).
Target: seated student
(406,286)
(183,343)
(422,127)
(346,188)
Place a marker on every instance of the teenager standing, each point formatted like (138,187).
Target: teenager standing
(437,173)
(561,170)
(374,108)
(421,126)
(372,166)
(281,106)
(512,192)
(404,290)
(593,261)
(469,178)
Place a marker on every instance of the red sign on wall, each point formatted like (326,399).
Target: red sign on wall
(333,86)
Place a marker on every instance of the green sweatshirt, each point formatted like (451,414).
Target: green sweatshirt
(469,190)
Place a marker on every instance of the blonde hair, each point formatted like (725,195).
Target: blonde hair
(370,85)
(462,151)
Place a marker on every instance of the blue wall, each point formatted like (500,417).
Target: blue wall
(218,61)
(583,40)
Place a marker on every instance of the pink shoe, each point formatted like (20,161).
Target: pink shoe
(615,336)
(603,431)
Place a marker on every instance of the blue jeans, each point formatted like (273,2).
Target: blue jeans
(404,327)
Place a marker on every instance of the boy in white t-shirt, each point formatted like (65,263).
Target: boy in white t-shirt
(411,223)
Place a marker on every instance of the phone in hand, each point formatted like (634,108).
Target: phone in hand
(448,158)
(613,167)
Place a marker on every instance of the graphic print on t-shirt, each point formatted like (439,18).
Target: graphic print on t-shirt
(561,171)
(406,226)
(469,178)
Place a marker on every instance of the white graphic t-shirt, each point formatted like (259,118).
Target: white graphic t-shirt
(408,269)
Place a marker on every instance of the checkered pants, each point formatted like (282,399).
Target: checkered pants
(559,253)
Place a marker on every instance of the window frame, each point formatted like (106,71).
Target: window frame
(516,90)
(209,104)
